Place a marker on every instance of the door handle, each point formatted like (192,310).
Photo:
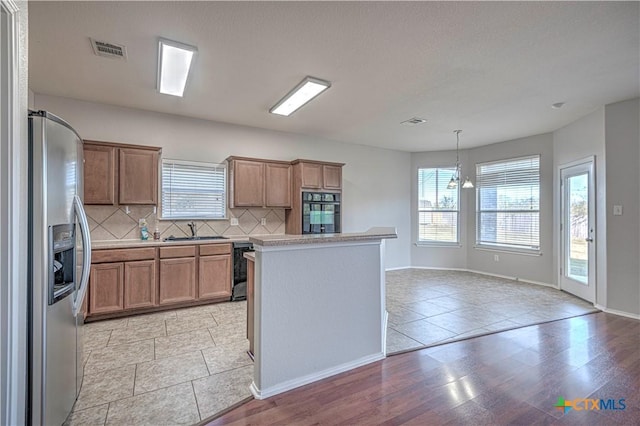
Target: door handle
(86,255)
(590,240)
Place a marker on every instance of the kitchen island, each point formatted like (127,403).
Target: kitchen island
(319,307)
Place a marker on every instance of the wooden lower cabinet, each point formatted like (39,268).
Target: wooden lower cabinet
(137,280)
(140,284)
(106,288)
(214,278)
(177,280)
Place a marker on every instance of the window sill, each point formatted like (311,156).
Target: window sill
(522,252)
(438,245)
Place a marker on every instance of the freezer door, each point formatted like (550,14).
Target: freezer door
(53,174)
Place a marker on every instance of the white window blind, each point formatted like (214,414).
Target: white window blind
(193,190)
(437,206)
(508,203)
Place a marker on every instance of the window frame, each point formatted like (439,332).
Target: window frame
(436,243)
(531,250)
(225,186)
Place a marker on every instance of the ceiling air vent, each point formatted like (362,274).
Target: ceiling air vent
(109,50)
(414,121)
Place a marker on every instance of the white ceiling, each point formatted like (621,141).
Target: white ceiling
(491,69)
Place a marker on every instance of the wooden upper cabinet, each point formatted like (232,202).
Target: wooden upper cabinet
(311,175)
(100,174)
(331,177)
(247,180)
(120,174)
(138,176)
(277,185)
(320,175)
(259,183)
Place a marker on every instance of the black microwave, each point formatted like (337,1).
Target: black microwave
(320,212)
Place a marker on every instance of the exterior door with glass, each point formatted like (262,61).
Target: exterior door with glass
(577,225)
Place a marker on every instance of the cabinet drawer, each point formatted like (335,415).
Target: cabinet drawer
(213,249)
(123,255)
(182,251)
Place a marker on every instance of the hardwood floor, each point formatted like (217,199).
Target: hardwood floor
(513,377)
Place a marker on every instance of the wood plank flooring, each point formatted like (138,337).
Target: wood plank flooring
(511,378)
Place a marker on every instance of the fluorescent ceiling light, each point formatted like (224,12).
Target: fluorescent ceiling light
(308,89)
(174,62)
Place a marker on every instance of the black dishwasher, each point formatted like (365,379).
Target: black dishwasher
(239,289)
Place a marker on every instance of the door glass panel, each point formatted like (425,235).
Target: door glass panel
(577,220)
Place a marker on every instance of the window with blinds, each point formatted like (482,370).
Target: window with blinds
(508,203)
(438,207)
(193,190)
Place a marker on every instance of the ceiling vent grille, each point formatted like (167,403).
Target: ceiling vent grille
(109,50)
(413,121)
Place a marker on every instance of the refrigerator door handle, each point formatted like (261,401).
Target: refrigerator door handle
(86,255)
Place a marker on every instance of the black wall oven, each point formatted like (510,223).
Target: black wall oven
(239,288)
(320,212)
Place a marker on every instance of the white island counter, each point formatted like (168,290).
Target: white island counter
(319,306)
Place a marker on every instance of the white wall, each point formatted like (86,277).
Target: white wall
(376,189)
(454,257)
(532,268)
(581,139)
(622,146)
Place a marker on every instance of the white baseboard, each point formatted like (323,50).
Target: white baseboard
(438,268)
(617,312)
(310,378)
(513,278)
(398,268)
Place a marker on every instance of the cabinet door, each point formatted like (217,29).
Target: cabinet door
(138,176)
(99,174)
(106,288)
(248,183)
(215,277)
(332,177)
(177,280)
(311,175)
(139,284)
(278,185)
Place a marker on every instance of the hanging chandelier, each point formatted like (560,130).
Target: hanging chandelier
(455,178)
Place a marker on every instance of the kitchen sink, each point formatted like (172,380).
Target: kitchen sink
(216,237)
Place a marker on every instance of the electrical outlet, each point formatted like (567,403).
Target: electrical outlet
(234,221)
(263,221)
(617,210)
(496,258)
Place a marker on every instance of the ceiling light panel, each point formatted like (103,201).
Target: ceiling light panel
(308,89)
(174,63)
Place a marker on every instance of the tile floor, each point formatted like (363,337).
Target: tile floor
(428,307)
(186,365)
(174,367)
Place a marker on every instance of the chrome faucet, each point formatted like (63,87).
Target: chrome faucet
(194,230)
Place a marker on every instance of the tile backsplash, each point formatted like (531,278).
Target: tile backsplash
(114,223)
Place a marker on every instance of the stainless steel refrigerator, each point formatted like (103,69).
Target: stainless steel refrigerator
(58,265)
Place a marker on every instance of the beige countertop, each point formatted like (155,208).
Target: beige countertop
(284,240)
(263,240)
(251,255)
(116,244)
